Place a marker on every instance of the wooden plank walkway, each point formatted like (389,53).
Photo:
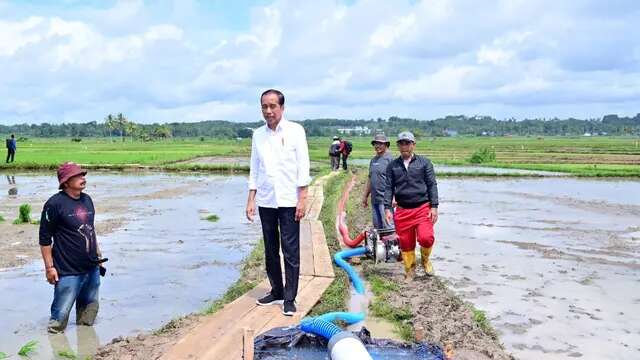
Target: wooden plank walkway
(220,336)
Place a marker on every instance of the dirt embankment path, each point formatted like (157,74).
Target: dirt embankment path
(446,319)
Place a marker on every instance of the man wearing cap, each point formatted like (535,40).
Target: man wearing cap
(70,251)
(377,180)
(278,180)
(412,181)
(334,153)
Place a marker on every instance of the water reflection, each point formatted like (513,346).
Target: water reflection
(13,190)
(87,346)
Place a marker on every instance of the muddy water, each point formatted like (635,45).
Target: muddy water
(165,261)
(554,262)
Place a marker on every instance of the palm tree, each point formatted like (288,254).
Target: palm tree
(163,132)
(132,129)
(110,124)
(122,121)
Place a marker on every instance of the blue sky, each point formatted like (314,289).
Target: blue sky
(182,60)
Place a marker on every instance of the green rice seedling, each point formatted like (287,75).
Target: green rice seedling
(28,349)
(212,218)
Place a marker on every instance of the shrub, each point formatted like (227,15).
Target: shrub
(484,155)
(24,214)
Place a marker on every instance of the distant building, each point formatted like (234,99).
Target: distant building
(450,132)
(587,134)
(358,130)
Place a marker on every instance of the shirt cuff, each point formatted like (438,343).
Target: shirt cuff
(304,182)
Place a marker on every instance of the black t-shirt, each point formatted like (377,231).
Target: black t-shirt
(70,223)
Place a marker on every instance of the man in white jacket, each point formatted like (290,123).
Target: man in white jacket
(278,182)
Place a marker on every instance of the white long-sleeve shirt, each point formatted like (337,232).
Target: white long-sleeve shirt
(279,164)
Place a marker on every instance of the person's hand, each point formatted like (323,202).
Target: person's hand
(300,209)
(365,202)
(52,275)
(389,215)
(251,210)
(433,215)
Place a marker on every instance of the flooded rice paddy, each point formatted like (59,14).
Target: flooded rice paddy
(164,259)
(554,262)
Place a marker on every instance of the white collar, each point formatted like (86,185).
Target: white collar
(281,124)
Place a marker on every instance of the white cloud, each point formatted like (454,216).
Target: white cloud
(18,34)
(385,35)
(173,61)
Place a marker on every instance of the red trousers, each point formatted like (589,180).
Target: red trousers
(414,224)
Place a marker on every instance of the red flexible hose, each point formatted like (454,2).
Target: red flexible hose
(346,239)
(340,223)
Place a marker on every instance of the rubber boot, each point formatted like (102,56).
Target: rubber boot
(426,262)
(409,261)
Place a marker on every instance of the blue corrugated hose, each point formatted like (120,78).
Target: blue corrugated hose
(348,317)
(340,257)
(319,327)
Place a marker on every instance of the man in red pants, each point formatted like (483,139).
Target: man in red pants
(412,181)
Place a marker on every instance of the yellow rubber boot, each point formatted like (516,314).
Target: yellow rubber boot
(409,261)
(426,262)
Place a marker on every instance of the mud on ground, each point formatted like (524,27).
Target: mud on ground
(445,318)
(19,243)
(154,345)
(148,346)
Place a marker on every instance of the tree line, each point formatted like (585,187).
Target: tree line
(119,126)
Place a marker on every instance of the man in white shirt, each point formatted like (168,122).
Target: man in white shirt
(278,182)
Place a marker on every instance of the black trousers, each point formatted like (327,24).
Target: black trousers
(10,154)
(335,162)
(344,161)
(280,226)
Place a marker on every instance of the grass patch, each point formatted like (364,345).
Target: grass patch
(28,349)
(336,295)
(3,355)
(481,320)
(381,307)
(212,218)
(381,286)
(581,170)
(24,215)
(67,354)
(484,155)
(612,156)
(1,220)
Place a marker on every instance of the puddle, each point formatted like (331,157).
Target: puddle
(554,262)
(379,328)
(164,260)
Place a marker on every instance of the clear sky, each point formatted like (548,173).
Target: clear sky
(182,60)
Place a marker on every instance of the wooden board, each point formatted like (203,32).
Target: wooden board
(306,249)
(231,343)
(221,336)
(215,326)
(323,263)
